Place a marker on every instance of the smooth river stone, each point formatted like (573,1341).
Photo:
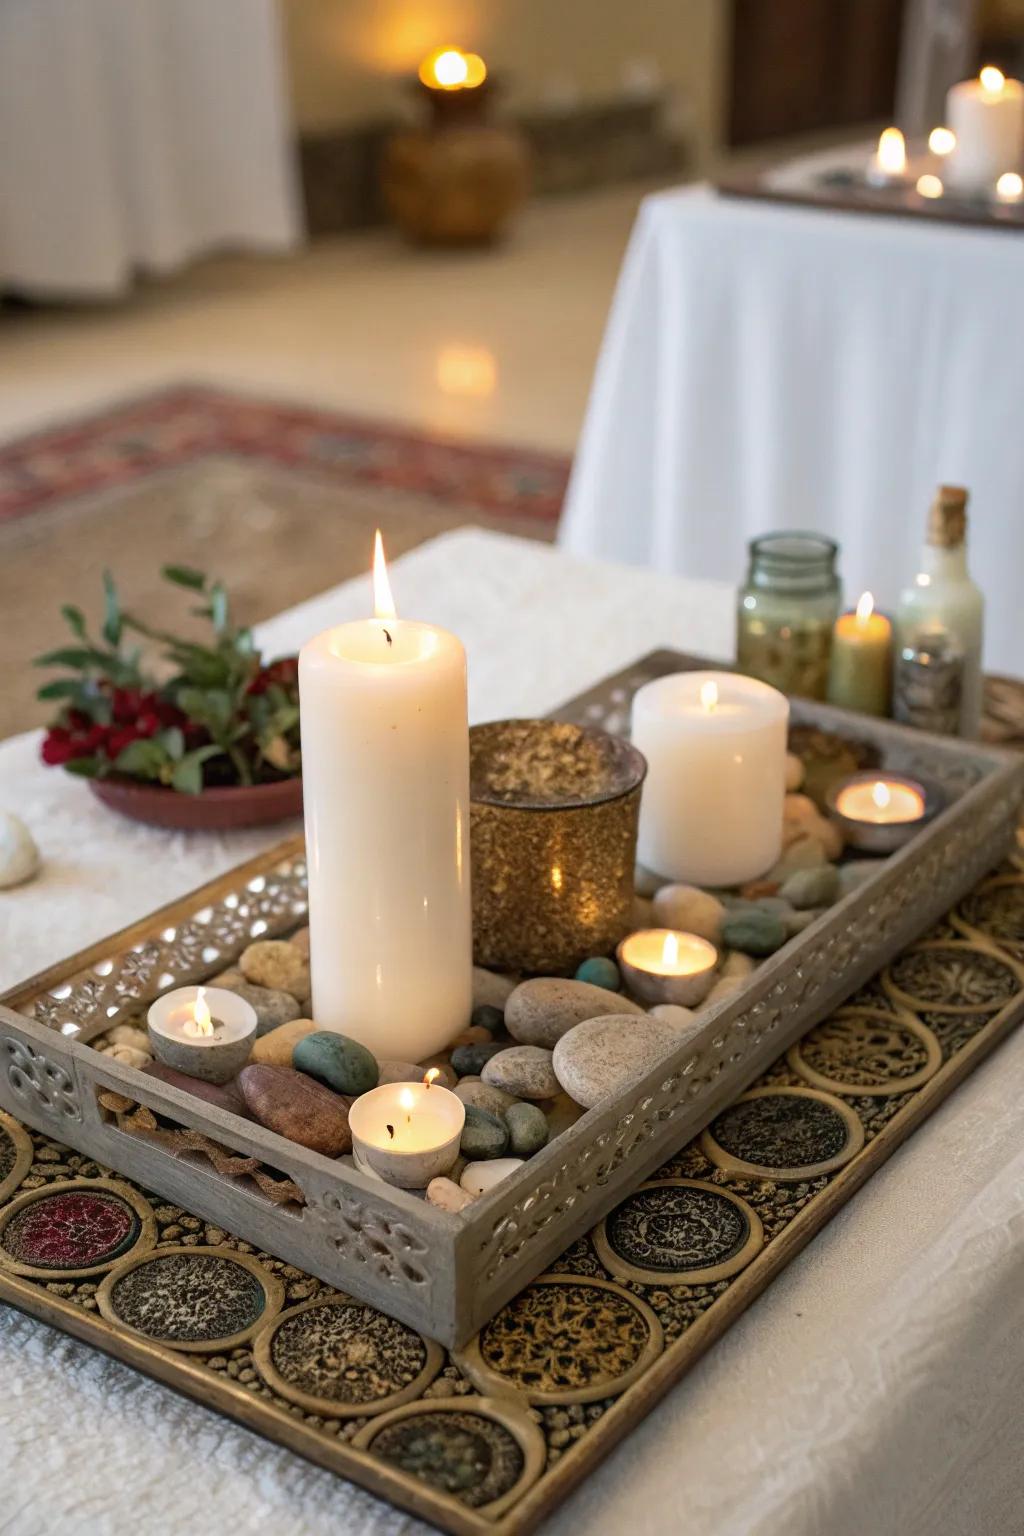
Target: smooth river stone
(343,1064)
(599,971)
(478,1178)
(399,1072)
(688,909)
(470,1060)
(681,1019)
(483,1135)
(736,963)
(224,1095)
(527,1129)
(523,1070)
(490,987)
(297,1108)
(754,932)
(855,873)
(274,1049)
(19,856)
(600,1056)
(447,1195)
(276,964)
(272,1008)
(812,887)
(539,1012)
(481,1095)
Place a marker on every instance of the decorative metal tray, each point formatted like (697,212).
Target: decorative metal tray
(445,1274)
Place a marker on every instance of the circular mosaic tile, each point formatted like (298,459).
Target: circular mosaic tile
(996,910)
(952,977)
(783,1133)
(482,1452)
(16,1154)
(74,1229)
(867,1051)
(565,1339)
(679,1232)
(191,1298)
(341,1359)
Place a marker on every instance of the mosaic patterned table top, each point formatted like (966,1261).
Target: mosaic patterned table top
(491,1438)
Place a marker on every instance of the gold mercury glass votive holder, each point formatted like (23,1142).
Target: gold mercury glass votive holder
(554,812)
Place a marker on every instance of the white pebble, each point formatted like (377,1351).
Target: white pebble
(448,1196)
(736,963)
(689,910)
(478,1178)
(129,1034)
(128,1056)
(675,1014)
(19,856)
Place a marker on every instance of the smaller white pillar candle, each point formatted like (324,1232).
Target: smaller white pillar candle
(662,965)
(987,117)
(715,744)
(205,1032)
(408,1133)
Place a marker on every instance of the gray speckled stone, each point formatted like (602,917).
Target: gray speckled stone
(473,1090)
(754,932)
(600,1056)
(812,887)
(540,1011)
(524,1071)
(689,910)
(483,1135)
(272,1007)
(527,1129)
(399,1072)
(491,987)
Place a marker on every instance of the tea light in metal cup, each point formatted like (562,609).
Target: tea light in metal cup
(407,1133)
(661,965)
(879,812)
(205,1032)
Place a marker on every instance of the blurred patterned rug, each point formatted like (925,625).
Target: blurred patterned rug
(280,500)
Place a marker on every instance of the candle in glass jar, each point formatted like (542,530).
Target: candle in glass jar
(860,669)
(715,745)
(205,1032)
(986,116)
(408,1133)
(661,965)
(385,766)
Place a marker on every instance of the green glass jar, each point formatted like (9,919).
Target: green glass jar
(786,611)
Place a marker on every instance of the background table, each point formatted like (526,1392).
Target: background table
(875,1387)
(766,367)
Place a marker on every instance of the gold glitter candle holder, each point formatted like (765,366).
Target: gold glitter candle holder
(554,811)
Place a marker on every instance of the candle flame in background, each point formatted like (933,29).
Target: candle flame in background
(709,696)
(929,186)
(992,80)
(449,69)
(383,602)
(892,152)
(471,371)
(1010,186)
(942,141)
(865,607)
(670,950)
(881,795)
(200,1023)
(430,1074)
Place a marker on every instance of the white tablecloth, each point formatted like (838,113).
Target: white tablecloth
(874,1388)
(139,134)
(766,367)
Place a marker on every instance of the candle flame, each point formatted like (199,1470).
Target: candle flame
(670,950)
(942,141)
(1010,186)
(881,795)
(929,186)
(383,602)
(449,69)
(892,152)
(201,1022)
(992,80)
(430,1075)
(407,1099)
(709,696)
(865,607)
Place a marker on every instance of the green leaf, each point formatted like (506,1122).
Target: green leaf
(173,742)
(62,688)
(85,767)
(74,618)
(187,777)
(184,576)
(141,759)
(81,657)
(219,608)
(112,622)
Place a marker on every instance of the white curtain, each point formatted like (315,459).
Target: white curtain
(137,134)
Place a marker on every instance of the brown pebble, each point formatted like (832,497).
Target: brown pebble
(755,888)
(474,1035)
(297,1107)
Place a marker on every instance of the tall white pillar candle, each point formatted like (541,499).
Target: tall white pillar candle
(715,745)
(987,117)
(385,766)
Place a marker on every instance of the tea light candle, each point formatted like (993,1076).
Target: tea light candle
(987,117)
(860,671)
(407,1133)
(880,812)
(661,965)
(889,163)
(715,744)
(206,1032)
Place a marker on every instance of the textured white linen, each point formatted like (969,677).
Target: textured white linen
(138,134)
(766,367)
(873,1389)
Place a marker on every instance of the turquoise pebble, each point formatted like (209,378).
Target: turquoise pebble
(754,932)
(483,1135)
(528,1129)
(341,1063)
(600,972)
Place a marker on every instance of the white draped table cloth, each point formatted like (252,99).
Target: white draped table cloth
(766,367)
(874,1388)
(137,135)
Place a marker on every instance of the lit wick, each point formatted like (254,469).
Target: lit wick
(201,1022)
(430,1074)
